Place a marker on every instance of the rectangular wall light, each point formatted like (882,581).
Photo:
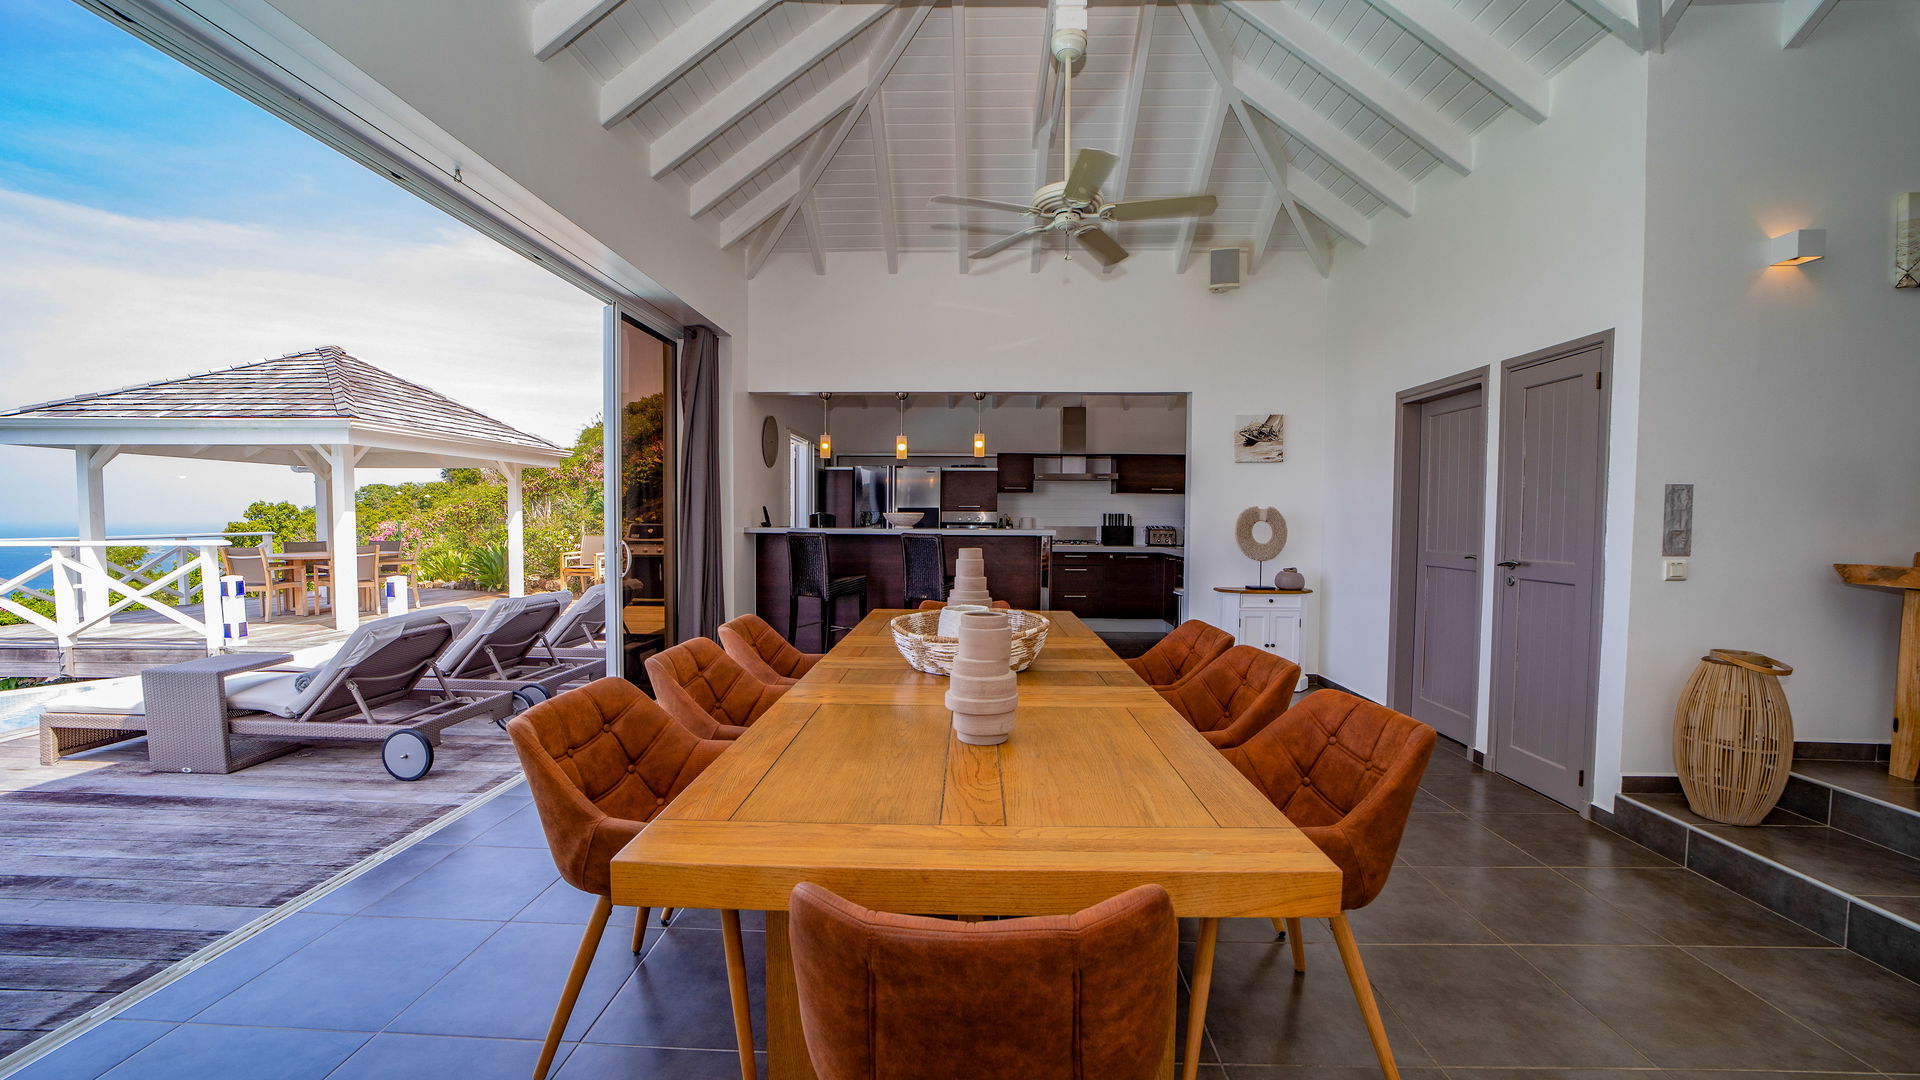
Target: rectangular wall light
(1797,247)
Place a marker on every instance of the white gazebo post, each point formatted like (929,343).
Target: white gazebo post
(516,531)
(89,478)
(343,535)
(322,503)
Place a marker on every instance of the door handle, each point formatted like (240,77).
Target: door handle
(1510,563)
(1470,555)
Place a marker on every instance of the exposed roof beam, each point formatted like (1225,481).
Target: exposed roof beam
(670,57)
(779,137)
(1217,108)
(1669,19)
(1615,22)
(907,22)
(740,224)
(1488,62)
(1799,19)
(810,224)
(1650,25)
(834,28)
(1338,213)
(557,22)
(1271,206)
(1046,88)
(1281,22)
(1273,160)
(1130,108)
(962,169)
(883,181)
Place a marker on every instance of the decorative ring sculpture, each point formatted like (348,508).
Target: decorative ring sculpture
(1257,550)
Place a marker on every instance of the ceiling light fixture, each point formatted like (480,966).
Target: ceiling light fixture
(1797,247)
(826,439)
(900,441)
(979,427)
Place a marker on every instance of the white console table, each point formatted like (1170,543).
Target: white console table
(1271,619)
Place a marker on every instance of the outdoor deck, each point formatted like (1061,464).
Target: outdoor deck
(142,639)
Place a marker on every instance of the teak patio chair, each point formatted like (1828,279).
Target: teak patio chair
(270,582)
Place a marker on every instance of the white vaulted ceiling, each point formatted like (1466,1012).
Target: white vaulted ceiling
(808,126)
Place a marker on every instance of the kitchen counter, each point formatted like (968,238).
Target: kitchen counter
(1135,549)
(871,531)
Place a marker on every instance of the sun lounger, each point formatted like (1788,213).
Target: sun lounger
(578,632)
(505,649)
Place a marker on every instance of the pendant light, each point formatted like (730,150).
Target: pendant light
(826,439)
(900,442)
(979,427)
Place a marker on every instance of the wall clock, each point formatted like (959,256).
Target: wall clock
(770,441)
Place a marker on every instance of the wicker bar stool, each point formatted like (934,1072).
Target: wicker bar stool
(926,571)
(807,566)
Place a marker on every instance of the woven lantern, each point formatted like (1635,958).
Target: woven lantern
(1733,736)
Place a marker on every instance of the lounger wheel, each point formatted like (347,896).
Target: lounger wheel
(407,754)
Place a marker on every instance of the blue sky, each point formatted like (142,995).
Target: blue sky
(153,223)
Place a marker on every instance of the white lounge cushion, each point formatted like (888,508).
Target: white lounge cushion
(590,610)
(290,694)
(123,697)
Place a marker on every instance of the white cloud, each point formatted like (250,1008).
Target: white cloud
(92,300)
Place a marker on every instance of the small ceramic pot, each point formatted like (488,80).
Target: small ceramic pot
(1289,579)
(969,579)
(982,689)
(949,625)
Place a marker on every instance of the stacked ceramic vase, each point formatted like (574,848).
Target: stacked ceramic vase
(982,691)
(969,579)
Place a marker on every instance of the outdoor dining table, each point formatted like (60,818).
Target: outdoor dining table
(306,562)
(855,782)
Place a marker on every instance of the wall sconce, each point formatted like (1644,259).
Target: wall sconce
(979,428)
(900,441)
(1906,241)
(826,439)
(1797,247)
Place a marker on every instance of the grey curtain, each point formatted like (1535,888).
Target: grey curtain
(700,602)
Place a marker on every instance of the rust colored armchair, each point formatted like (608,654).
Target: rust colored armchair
(1236,695)
(705,690)
(601,760)
(1345,770)
(1181,655)
(759,648)
(1088,996)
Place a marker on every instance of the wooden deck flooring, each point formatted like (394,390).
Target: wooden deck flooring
(109,873)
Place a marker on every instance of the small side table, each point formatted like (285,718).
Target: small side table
(1271,619)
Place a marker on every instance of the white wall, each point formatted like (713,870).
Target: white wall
(1786,395)
(1541,245)
(1070,330)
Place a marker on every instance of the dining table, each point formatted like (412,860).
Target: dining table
(308,563)
(855,781)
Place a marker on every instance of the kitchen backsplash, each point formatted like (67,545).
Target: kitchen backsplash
(1079,502)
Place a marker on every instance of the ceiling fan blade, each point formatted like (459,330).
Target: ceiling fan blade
(1104,247)
(984,204)
(1006,242)
(1090,169)
(1147,209)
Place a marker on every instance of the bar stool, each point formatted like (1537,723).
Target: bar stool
(807,569)
(926,571)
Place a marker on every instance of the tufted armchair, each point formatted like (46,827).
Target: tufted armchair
(705,690)
(1180,655)
(601,760)
(1236,695)
(1088,996)
(758,647)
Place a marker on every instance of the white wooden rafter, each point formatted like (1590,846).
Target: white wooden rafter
(962,169)
(1218,107)
(1473,51)
(557,22)
(1340,215)
(883,181)
(1142,52)
(756,211)
(1042,160)
(1273,161)
(1618,23)
(779,137)
(670,57)
(1800,18)
(810,224)
(1669,19)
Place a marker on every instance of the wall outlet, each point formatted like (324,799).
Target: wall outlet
(1673,569)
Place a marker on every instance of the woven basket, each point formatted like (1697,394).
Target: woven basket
(1733,736)
(914,636)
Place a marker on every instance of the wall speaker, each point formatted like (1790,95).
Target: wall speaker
(1224,270)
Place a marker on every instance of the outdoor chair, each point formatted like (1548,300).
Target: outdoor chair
(269,582)
(581,628)
(587,565)
(1345,770)
(1236,695)
(392,558)
(225,713)
(505,648)
(1181,655)
(705,690)
(1088,996)
(601,761)
(755,645)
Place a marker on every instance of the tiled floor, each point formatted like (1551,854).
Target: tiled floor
(1514,942)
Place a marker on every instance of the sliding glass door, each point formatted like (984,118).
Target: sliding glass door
(640,451)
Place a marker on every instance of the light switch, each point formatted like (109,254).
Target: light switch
(1673,569)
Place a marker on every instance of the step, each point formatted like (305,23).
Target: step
(1804,861)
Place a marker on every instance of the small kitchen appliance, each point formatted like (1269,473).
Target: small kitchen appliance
(1163,536)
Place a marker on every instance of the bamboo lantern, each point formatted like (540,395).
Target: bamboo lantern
(1733,736)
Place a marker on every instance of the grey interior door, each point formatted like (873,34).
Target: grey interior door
(1451,474)
(1552,497)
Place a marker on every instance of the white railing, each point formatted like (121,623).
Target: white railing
(88,589)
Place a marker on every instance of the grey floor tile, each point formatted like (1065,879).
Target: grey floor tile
(599,1061)
(1456,840)
(473,883)
(1846,862)
(709,919)
(400,868)
(1261,1012)
(1713,1074)
(1867,1010)
(1411,910)
(1485,1005)
(562,903)
(386,1057)
(96,1051)
(204,1051)
(1683,1014)
(1864,778)
(519,829)
(1676,806)
(1531,906)
(1487,793)
(474,999)
(356,977)
(678,996)
(1555,1074)
(477,821)
(1323,1072)
(1568,840)
(183,998)
(1687,909)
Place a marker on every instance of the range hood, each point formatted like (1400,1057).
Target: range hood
(1073,462)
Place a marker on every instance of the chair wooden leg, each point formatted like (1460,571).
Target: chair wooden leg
(737,990)
(582,960)
(1363,993)
(1202,984)
(640,926)
(1299,941)
(666,916)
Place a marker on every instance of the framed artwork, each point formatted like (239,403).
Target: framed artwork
(1260,438)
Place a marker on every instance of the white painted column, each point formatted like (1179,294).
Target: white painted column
(322,504)
(90,502)
(344,534)
(516,533)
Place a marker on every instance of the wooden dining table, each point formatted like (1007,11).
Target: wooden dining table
(854,781)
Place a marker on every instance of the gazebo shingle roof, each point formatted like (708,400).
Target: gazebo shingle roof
(322,384)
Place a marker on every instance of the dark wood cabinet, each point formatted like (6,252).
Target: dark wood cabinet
(1079,584)
(969,490)
(1015,472)
(1150,474)
(1116,585)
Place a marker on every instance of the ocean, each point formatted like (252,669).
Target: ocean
(14,560)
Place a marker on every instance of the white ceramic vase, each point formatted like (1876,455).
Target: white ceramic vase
(969,579)
(949,625)
(982,690)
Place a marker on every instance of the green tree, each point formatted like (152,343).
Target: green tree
(283,519)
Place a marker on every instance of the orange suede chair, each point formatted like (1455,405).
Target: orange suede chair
(1088,996)
(1181,655)
(936,605)
(704,689)
(757,646)
(1236,695)
(1345,770)
(601,760)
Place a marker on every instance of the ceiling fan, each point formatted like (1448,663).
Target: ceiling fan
(1073,207)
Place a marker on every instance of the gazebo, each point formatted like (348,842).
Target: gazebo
(323,410)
